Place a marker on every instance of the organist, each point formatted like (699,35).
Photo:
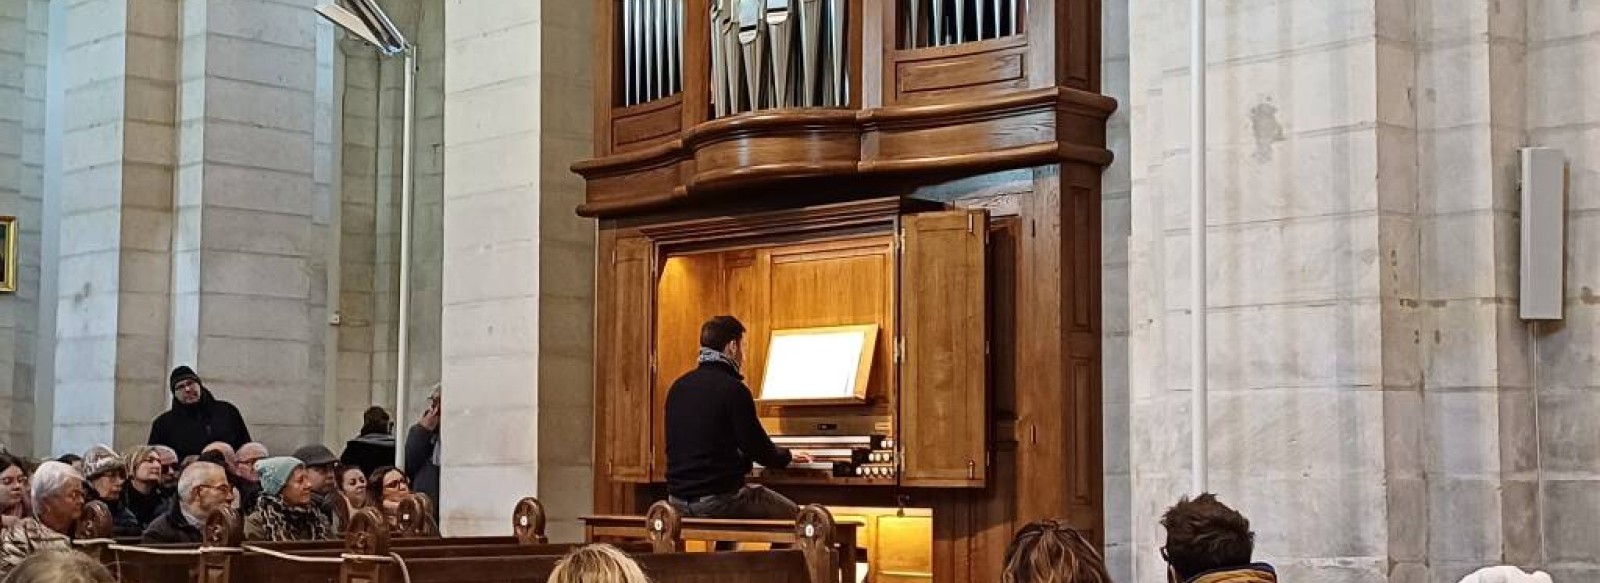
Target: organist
(713,435)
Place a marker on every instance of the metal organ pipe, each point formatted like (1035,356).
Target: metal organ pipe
(778,53)
(936,23)
(652,50)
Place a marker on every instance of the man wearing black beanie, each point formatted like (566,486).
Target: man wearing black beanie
(196,418)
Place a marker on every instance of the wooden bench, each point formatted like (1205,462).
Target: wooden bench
(367,556)
(667,530)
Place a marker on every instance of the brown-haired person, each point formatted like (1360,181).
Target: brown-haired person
(1208,542)
(13,490)
(713,435)
(143,495)
(1048,551)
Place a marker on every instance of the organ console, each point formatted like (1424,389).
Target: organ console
(923,171)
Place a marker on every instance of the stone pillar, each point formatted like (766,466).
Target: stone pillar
(1561,60)
(246,256)
(30,217)
(518,264)
(1298,268)
(13,91)
(116,220)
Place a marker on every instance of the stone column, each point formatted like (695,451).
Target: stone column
(116,220)
(13,91)
(518,264)
(30,217)
(247,254)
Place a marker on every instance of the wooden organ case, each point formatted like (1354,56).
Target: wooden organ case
(777,160)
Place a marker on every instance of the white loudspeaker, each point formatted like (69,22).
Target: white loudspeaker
(1544,209)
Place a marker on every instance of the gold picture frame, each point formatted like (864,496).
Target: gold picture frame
(819,366)
(8,246)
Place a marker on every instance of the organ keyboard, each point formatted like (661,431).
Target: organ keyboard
(837,456)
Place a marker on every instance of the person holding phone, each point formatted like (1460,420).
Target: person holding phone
(422,450)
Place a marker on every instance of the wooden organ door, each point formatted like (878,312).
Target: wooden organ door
(819,164)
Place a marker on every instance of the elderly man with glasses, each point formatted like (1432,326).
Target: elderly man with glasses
(202,489)
(57,492)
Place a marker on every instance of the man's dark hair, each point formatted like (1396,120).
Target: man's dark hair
(1205,535)
(717,332)
(374,420)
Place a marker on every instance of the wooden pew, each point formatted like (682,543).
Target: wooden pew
(233,560)
(667,530)
(367,556)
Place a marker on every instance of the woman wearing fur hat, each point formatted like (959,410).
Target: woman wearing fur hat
(107,474)
(285,512)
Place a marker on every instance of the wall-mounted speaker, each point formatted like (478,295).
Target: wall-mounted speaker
(1544,209)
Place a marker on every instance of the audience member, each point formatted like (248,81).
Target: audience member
(385,489)
(319,461)
(422,449)
(169,467)
(1208,542)
(144,495)
(13,490)
(244,461)
(597,563)
(106,475)
(56,493)
(196,417)
(202,489)
(285,511)
(374,447)
(353,484)
(60,567)
(247,491)
(1048,551)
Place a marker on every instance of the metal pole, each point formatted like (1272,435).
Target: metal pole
(407,168)
(1197,243)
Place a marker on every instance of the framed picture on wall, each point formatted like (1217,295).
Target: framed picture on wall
(8,246)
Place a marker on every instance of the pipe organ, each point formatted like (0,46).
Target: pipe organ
(770,159)
(777,54)
(652,50)
(937,23)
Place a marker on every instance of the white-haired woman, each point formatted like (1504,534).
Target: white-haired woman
(57,494)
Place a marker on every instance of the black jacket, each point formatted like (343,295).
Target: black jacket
(146,507)
(123,522)
(187,429)
(424,473)
(369,452)
(713,433)
(171,528)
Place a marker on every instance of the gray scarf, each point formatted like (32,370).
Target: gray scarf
(709,355)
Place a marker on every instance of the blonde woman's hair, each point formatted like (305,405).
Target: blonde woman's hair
(598,563)
(1048,551)
(59,567)
(136,455)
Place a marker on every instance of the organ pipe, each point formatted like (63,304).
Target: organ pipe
(778,54)
(652,50)
(937,23)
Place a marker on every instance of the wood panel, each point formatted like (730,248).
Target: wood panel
(690,291)
(944,412)
(835,283)
(626,375)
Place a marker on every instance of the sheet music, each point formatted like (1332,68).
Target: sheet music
(819,365)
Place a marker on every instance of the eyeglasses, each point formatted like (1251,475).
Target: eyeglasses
(224,487)
(395,484)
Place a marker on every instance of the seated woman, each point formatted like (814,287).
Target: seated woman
(1048,551)
(386,488)
(143,494)
(13,490)
(353,484)
(107,475)
(598,563)
(284,511)
(56,494)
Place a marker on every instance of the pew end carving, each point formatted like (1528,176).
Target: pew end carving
(528,522)
(664,525)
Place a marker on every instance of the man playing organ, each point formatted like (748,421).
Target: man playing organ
(713,435)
